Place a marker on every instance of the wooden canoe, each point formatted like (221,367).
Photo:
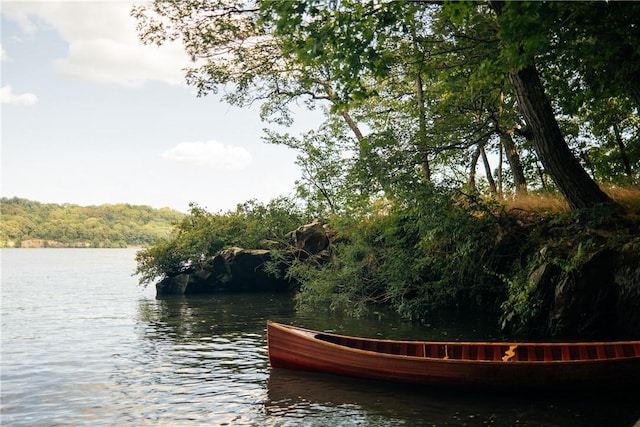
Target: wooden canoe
(493,364)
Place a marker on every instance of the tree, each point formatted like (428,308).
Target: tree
(523,44)
(532,38)
(435,78)
(572,180)
(617,157)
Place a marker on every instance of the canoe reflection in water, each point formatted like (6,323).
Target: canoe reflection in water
(316,399)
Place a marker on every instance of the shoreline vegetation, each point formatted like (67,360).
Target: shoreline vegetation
(542,269)
(30,224)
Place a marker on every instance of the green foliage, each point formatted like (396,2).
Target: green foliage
(412,255)
(419,87)
(582,252)
(425,83)
(323,156)
(350,281)
(521,301)
(118,225)
(202,234)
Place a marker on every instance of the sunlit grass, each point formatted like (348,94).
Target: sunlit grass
(550,203)
(554,203)
(629,197)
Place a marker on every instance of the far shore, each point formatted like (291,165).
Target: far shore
(45,244)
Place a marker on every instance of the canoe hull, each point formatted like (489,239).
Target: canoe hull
(302,351)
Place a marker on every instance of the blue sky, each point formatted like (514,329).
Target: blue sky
(91,116)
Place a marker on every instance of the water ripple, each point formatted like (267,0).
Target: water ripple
(83,345)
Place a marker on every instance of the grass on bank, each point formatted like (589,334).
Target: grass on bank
(554,203)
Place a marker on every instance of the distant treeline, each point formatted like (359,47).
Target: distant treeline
(27,223)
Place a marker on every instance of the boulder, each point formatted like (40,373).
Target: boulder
(311,239)
(244,270)
(596,300)
(627,277)
(174,285)
(234,269)
(584,304)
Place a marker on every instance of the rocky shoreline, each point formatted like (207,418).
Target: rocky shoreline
(247,270)
(563,280)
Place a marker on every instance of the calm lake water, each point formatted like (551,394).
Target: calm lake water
(84,345)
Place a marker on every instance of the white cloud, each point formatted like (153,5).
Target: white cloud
(103,43)
(3,54)
(210,153)
(110,61)
(8,97)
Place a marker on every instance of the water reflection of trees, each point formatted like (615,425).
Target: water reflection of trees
(182,318)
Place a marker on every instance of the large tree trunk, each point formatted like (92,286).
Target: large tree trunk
(579,190)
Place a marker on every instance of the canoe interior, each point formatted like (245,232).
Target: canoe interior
(516,352)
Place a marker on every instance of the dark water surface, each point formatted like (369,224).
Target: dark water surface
(83,345)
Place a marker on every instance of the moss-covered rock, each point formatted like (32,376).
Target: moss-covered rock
(578,290)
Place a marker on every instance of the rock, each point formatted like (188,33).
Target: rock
(627,278)
(244,270)
(596,300)
(311,239)
(584,303)
(175,285)
(234,269)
